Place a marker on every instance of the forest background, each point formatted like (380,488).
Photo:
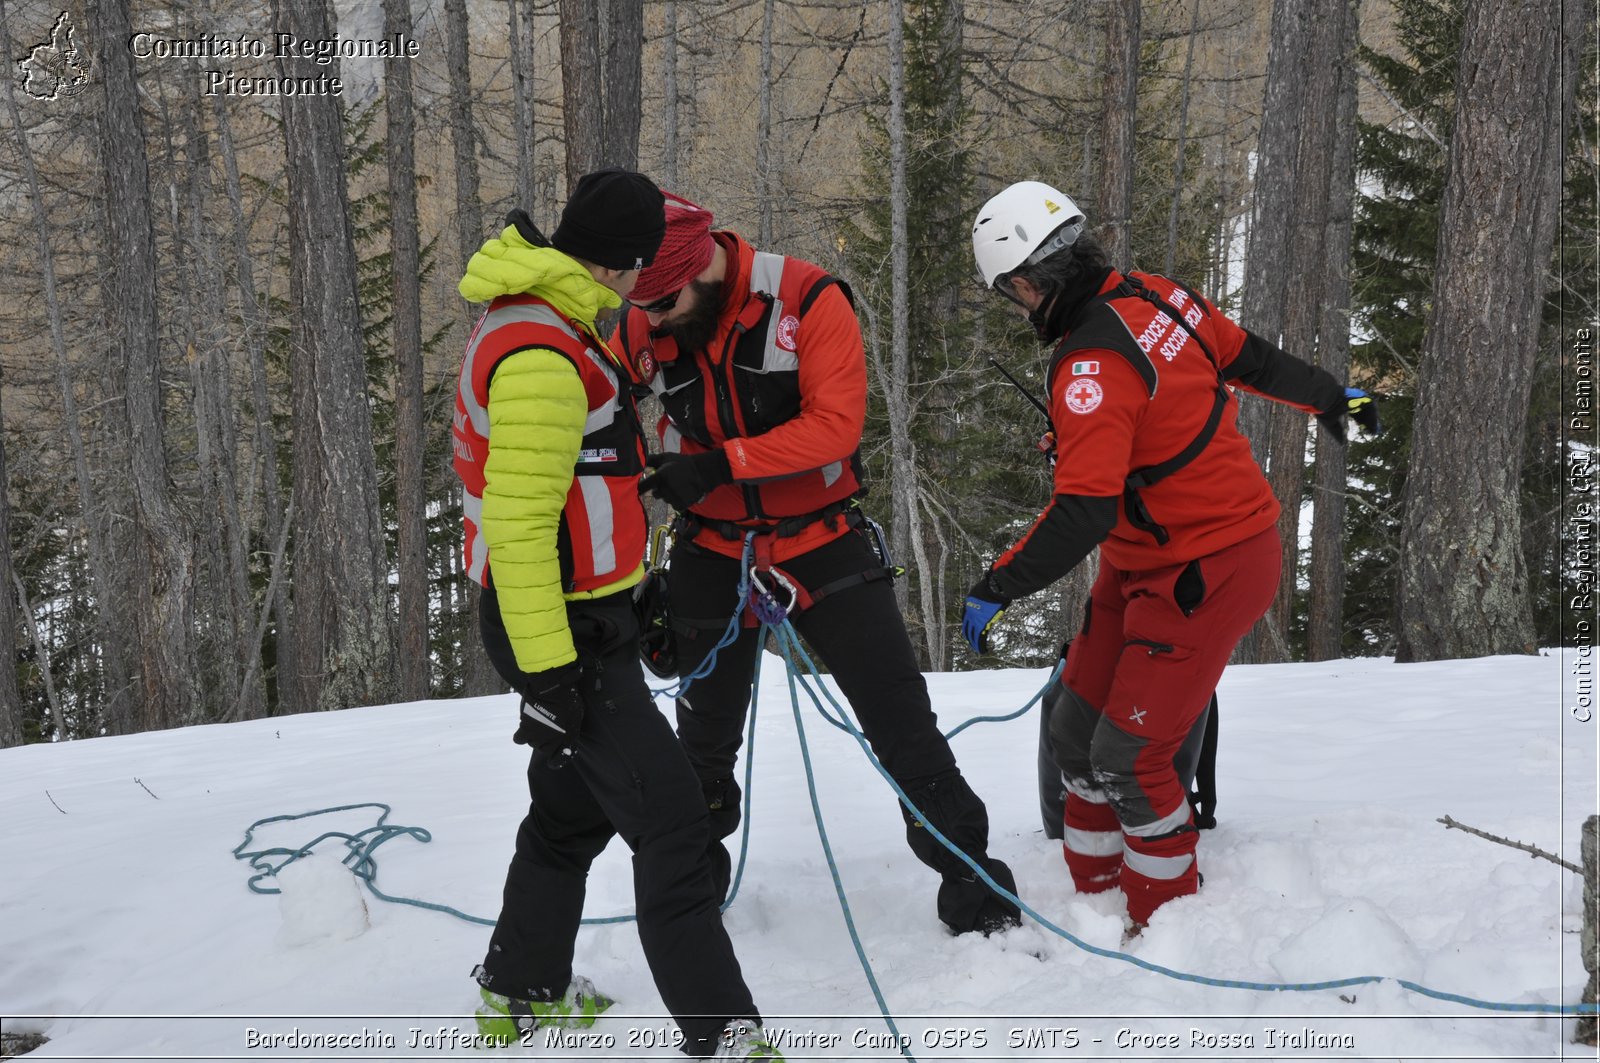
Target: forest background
(230,338)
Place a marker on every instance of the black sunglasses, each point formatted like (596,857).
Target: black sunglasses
(661,305)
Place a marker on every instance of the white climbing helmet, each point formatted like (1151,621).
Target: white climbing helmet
(1023,225)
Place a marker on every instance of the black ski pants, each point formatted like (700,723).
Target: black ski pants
(858,633)
(628,777)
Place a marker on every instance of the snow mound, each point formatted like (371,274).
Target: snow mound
(1352,937)
(320,901)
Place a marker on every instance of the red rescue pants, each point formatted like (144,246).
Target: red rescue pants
(1153,645)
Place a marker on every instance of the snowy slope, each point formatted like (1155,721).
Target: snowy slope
(127,929)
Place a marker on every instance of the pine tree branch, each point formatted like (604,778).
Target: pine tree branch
(1383,91)
(1529,849)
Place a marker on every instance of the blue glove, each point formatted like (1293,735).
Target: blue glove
(1357,405)
(980,612)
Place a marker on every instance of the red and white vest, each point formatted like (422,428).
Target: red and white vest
(746,383)
(602,533)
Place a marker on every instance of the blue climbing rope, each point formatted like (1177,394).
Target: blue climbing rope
(729,633)
(790,641)
(1055,673)
(359,859)
(363,845)
(784,633)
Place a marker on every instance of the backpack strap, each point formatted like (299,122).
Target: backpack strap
(1104,329)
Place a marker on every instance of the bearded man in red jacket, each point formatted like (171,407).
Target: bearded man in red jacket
(758,363)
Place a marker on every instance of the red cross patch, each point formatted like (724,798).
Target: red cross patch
(646,363)
(1084,395)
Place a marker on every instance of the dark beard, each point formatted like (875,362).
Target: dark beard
(695,330)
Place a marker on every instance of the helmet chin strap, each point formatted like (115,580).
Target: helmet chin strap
(1039,318)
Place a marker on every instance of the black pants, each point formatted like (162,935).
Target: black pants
(859,634)
(629,777)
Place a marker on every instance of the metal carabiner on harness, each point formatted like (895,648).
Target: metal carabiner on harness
(661,540)
(764,603)
(880,546)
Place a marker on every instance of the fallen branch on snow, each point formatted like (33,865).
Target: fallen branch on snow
(1525,847)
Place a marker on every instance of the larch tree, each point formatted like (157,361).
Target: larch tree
(1325,610)
(1119,107)
(582,90)
(162,561)
(520,39)
(1282,284)
(1463,581)
(110,616)
(463,130)
(480,677)
(341,592)
(10,626)
(623,82)
(409,426)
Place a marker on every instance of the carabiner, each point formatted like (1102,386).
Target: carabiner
(764,603)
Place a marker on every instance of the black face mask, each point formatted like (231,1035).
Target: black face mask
(1058,314)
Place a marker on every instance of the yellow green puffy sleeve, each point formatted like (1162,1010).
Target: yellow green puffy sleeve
(537,408)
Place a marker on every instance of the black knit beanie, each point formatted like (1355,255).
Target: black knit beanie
(614,218)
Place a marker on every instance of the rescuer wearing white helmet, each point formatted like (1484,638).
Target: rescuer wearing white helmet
(1153,469)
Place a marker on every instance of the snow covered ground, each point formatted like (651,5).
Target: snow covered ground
(127,930)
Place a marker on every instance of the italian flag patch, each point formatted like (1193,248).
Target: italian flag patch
(1085,368)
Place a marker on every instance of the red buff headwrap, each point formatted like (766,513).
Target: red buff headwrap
(684,254)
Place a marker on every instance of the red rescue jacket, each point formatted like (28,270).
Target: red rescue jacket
(781,388)
(1131,389)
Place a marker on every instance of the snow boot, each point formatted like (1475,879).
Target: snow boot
(966,903)
(742,1039)
(505,1019)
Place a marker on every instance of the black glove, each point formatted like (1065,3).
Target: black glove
(1358,405)
(681,480)
(552,711)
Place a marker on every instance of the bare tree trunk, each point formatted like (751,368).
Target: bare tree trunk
(520,17)
(266,466)
(463,135)
(1269,263)
(10,649)
(764,129)
(1119,108)
(409,429)
(218,442)
(897,389)
(941,24)
(480,677)
(41,651)
(669,61)
(623,84)
(1171,262)
(583,113)
(341,586)
(1463,580)
(164,560)
(1307,222)
(1325,634)
(110,612)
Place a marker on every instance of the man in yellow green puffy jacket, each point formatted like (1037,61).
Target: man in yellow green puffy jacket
(548,448)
